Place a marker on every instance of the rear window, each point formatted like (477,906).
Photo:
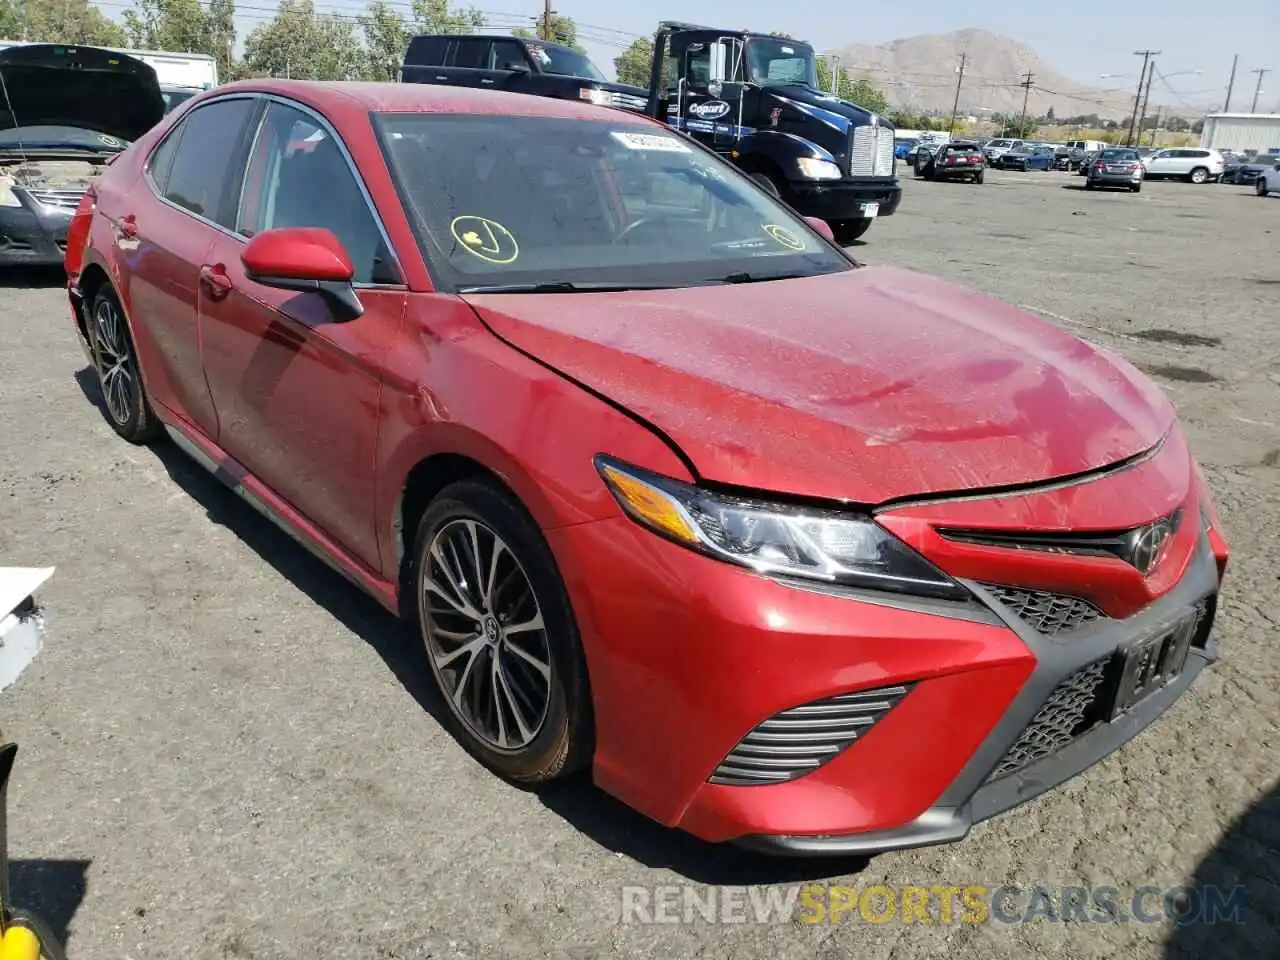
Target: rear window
(426,51)
(1119,156)
(525,200)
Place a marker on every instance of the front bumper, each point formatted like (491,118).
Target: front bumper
(691,659)
(844,199)
(33,237)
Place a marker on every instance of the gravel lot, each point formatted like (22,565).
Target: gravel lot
(229,752)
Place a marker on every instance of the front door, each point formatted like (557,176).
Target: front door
(297,392)
(708,101)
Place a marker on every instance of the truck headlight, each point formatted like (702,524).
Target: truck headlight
(775,539)
(815,169)
(592,95)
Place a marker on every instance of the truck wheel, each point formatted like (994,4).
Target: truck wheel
(847,231)
(765,183)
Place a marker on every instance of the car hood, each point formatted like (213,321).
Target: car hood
(832,111)
(867,385)
(87,87)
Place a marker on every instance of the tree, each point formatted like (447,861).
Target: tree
(635,63)
(303,44)
(1198,127)
(386,37)
(1019,127)
(563,30)
(436,16)
(1049,115)
(59,21)
(860,91)
(1177,125)
(187,26)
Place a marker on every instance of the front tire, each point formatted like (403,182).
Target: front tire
(1260,187)
(847,231)
(767,184)
(500,635)
(115,359)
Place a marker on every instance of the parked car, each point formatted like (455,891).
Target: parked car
(957,160)
(903,146)
(1116,167)
(1268,181)
(1024,158)
(70,111)
(577,397)
(998,147)
(1245,170)
(1087,146)
(1086,160)
(1185,163)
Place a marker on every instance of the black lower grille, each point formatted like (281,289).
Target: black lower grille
(1075,706)
(798,741)
(1047,613)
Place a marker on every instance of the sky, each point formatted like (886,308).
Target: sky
(1082,39)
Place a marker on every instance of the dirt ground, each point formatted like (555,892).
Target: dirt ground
(228,752)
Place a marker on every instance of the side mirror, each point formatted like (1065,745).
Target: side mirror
(822,227)
(719,71)
(306,259)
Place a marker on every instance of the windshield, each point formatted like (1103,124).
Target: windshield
(1119,155)
(499,200)
(35,138)
(175,95)
(781,61)
(564,62)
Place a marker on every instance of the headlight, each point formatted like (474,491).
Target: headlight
(7,197)
(815,169)
(774,538)
(602,97)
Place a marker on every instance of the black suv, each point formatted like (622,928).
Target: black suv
(516,64)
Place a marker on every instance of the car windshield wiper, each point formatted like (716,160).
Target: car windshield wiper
(563,286)
(743,277)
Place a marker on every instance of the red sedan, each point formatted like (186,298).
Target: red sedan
(814,556)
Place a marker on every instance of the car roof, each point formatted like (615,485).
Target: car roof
(348,97)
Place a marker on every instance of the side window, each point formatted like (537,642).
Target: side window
(298,177)
(472,52)
(508,54)
(161,160)
(426,51)
(202,161)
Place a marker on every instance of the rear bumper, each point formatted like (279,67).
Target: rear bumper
(844,199)
(1115,179)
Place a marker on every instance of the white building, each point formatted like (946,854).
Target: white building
(1241,131)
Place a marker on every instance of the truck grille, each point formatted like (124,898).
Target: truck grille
(1047,613)
(628,101)
(871,152)
(58,199)
(798,741)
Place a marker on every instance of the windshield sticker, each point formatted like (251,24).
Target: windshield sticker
(788,49)
(649,141)
(109,141)
(784,236)
(486,239)
(539,54)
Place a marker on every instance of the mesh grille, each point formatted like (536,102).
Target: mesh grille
(800,740)
(1047,613)
(60,199)
(1071,710)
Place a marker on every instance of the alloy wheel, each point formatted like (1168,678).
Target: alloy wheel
(117,371)
(485,635)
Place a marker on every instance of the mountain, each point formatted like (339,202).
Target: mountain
(919,73)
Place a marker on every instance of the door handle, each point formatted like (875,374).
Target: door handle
(485,80)
(215,280)
(127,227)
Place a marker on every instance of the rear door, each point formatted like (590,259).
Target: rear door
(298,393)
(468,62)
(174,223)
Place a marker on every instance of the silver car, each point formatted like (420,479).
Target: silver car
(1116,167)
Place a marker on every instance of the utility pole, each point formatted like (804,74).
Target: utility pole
(1231,83)
(1027,78)
(1146,56)
(835,75)
(546,20)
(1257,91)
(955,105)
(1146,98)
(1155,130)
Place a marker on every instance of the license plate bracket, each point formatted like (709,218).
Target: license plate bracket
(1151,664)
(870,210)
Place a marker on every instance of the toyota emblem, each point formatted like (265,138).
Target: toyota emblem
(1146,543)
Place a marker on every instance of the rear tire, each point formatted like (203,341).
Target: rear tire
(1090,185)
(1260,187)
(979,178)
(115,360)
(1136,188)
(847,231)
(519,700)
(1198,175)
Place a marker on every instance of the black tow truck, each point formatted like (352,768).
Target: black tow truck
(754,98)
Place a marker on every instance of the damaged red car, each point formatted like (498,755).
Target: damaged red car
(817,557)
